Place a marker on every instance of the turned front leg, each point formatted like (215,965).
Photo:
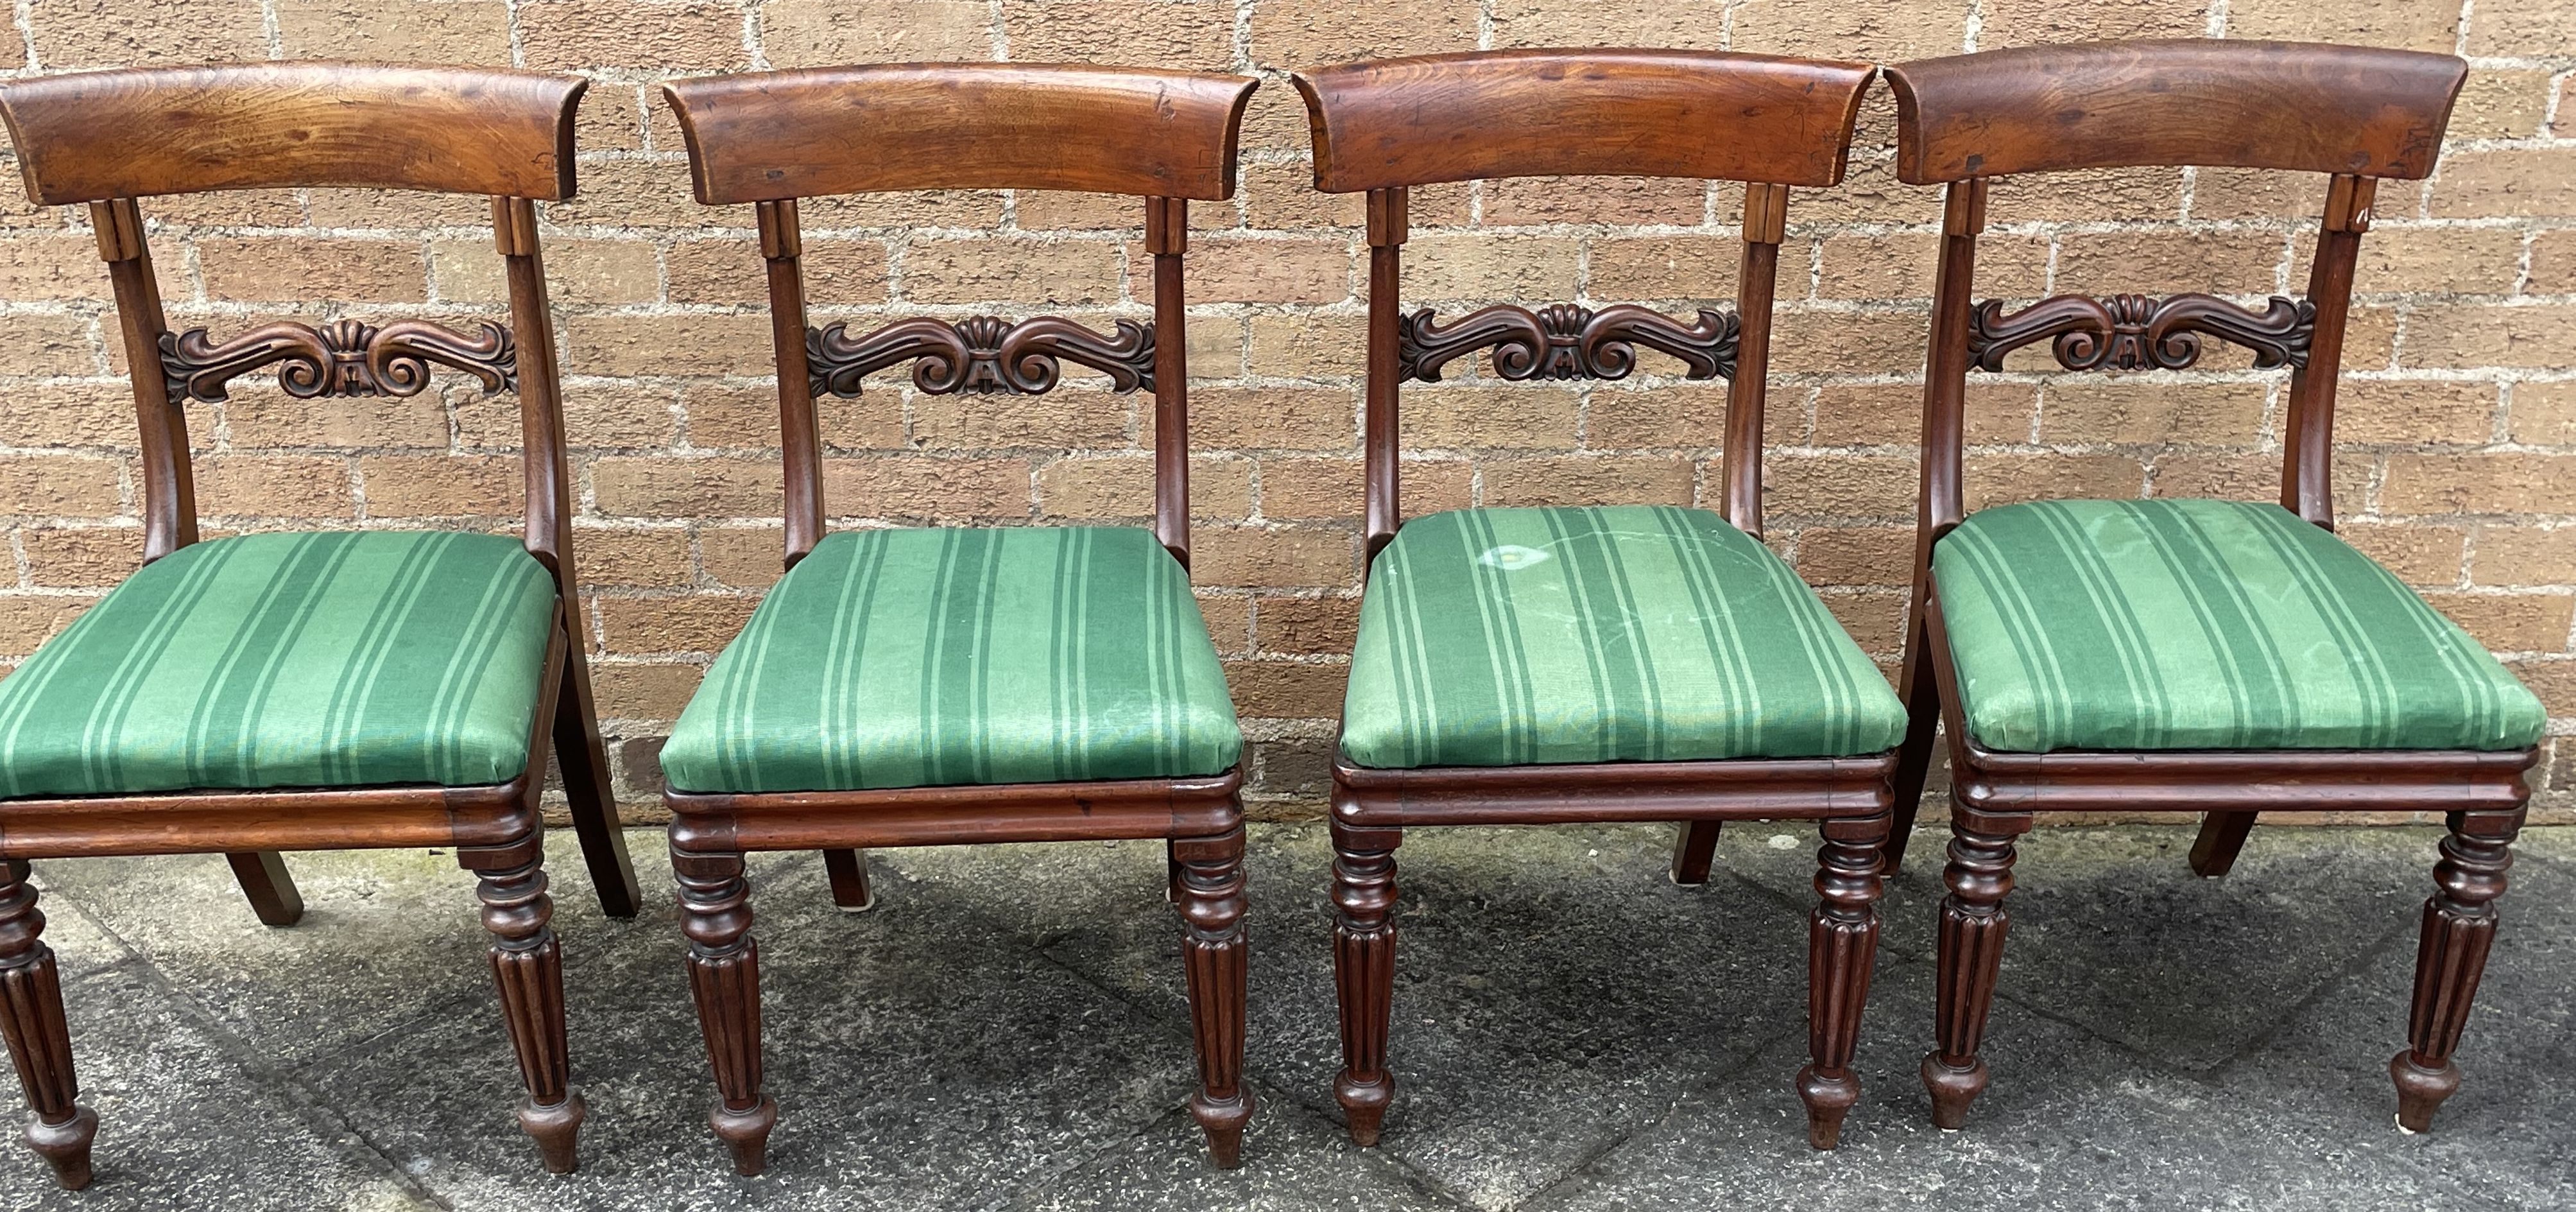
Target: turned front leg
(527,967)
(1842,944)
(2459,927)
(1364,972)
(724,975)
(1212,949)
(40,1042)
(1971,954)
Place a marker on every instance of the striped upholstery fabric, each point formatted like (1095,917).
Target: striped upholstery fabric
(290,660)
(914,658)
(1496,637)
(2183,624)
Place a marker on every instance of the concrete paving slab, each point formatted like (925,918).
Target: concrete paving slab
(1007,1030)
(920,1059)
(185,1122)
(388,936)
(1294,1161)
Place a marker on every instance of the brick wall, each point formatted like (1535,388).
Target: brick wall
(2457,465)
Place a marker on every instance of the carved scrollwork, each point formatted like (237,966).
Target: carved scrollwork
(982,354)
(341,358)
(1565,341)
(2135,332)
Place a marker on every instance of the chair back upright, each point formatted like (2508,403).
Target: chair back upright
(1386,126)
(771,138)
(2357,114)
(109,138)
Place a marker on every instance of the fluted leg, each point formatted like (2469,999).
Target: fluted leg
(2222,834)
(1212,948)
(527,966)
(263,879)
(848,872)
(1842,943)
(40,1043)
(1693,848)
(1364,971)
(1971,953)
(2459,927)
(724,974)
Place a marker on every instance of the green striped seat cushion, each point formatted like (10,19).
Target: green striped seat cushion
(916,658)
(338,659)
(2179,624)
(1498,637)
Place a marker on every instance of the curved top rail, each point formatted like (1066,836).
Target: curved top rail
(131,132)
(765,136)
(2301,106)
(1531,113)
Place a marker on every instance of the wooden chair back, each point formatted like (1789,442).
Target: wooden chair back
(108,138)
(1388,125)
(771,138)
(2359,114)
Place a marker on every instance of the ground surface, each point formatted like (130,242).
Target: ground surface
(1007,1030)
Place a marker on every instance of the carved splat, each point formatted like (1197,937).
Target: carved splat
(341,358)
(1565,341)
(982,354)
(2136,332)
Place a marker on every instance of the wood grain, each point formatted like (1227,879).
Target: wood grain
(2287,105)
(1631,113)
(92,136)
(768,136)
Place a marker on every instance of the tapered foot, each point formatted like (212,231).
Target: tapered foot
(1953,1088)
(1828,1099)
(65,1146)
(2421,1091)
(1223,1120)
(1364,1105)
(556,1129)
(746,1134)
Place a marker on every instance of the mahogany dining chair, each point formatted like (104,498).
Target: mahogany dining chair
(1627,663)
(2178,655)
(935,686)
(319,690)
